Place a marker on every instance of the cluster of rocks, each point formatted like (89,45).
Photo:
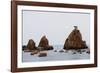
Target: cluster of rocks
(74,40)
(74,51)
(43,45)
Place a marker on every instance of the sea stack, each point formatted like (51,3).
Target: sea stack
(44,44)
(74,40)
(31,45)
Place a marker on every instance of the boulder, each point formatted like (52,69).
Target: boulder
(74,40)
(44,44)
(31,45)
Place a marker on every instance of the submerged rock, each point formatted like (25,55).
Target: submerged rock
(31,45)
(44,44)
(74,40)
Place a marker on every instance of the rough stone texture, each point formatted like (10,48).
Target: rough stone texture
(74,40)
(44,44)
(31,45)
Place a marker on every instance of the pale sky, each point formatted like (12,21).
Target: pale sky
(55,25)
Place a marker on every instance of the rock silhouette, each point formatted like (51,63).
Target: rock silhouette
(74,40)
(44,44)
(31,45)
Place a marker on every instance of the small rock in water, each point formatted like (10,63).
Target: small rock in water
(83,50)
(88,52)
(34,52)
(74,52)
(61,51)
(55,50)
(42,55)
(78,50)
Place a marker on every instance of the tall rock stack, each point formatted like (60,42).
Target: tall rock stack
(44,44)
(31,45)
(74,40)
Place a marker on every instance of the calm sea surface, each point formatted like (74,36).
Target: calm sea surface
(55,56)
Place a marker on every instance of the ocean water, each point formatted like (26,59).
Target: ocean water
(56,56)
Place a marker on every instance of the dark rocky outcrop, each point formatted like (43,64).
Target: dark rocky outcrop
(74,40)
(31,45)
(44,44)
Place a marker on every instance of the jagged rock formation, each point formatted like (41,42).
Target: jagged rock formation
(31,45)
(74,40)
(44,44)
